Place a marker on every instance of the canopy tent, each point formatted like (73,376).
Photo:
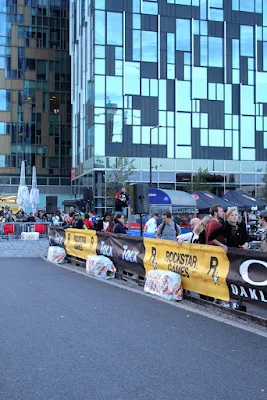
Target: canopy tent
(206,199)
(171,197)
(243,200)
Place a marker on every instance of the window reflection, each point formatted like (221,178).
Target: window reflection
(132,78)
(247,132)
(100,91)
(183,128)
(247,44)
(149,46)
(114,92)
(114,125)
(248,103)
(136,134)
(136,45)
(5,100)
(114,28)
(216,137)
(215,52)
(200,83)
(100,27)
(150,8)
(183,96)
(183,35)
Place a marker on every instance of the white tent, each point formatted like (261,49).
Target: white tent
(23,191)
(34,194)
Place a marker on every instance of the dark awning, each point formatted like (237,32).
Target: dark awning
(243,200)
(206,199)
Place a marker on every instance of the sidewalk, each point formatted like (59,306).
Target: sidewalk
(22,248)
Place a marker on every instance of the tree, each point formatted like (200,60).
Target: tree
(264,187)
(119,175)
(200,181)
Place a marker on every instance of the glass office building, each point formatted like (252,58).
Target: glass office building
(196,68)
(35,104)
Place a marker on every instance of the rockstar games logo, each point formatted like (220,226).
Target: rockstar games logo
(91,247)
(153,257)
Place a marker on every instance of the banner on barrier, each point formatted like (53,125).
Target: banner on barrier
(56,236)
(129,253)
(203,269)
(80,243)
(237,275)
(247,277)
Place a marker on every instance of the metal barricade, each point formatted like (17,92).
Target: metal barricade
(13,230)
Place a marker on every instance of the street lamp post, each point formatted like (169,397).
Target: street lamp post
(150,153)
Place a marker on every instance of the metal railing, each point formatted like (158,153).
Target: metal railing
(13,230)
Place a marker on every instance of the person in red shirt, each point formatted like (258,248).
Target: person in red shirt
(217,213)
(89,224)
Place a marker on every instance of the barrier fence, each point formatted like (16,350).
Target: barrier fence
(238,276)
(13,230)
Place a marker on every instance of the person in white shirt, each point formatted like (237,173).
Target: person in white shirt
(151,225)
(191,237)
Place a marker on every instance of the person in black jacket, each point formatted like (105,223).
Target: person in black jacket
(118,204)
(119,224)
(77,222)
(103,224)
(233,231)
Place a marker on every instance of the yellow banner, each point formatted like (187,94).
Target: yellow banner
(203,268)
(80,243)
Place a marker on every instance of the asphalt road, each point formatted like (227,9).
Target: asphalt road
(64,336)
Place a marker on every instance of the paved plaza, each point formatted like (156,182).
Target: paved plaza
(22,248)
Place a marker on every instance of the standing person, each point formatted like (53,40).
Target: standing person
(31,218)
(92,217)
(119,224)
(77,222)
(87,222)
(168,230)
(118,204)
(124,199)
(71,212)
(151,225)
(252,219)
(263,223)
(234,233)
(205,222)
(103,224)
(217,214)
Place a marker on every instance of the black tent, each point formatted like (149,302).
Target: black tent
(243,200)
(206,199)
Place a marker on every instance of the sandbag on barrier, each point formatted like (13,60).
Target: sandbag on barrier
(29,236)
(165,284)
(100,266)
(56,254)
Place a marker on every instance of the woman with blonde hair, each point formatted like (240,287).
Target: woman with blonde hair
(205,222)
(233,231)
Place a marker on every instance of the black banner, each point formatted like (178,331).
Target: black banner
(247,277)
(56,236)
(127,253)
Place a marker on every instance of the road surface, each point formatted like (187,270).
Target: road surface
(68,337)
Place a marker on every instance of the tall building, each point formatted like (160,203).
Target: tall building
(35,103)
(196,68)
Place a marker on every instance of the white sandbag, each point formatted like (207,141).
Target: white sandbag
(165,284)
(56,254)
(29,236)
(100,266)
